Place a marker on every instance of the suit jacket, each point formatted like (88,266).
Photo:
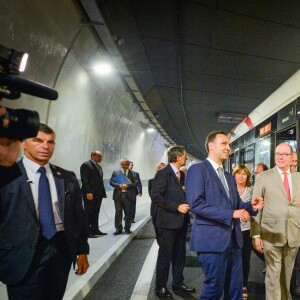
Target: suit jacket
(139,187)
(167,194)
(92,180)
(279,221)
(20,227)
(131,190)
(208,200)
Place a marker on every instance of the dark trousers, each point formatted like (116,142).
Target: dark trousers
(246,256)
(223,272)
(92,209)
(48,274)
(258,254)
(172,249)
(295,271)
(133,209)
(123,204)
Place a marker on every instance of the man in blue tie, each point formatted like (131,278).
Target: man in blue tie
(42,226)
(216,233)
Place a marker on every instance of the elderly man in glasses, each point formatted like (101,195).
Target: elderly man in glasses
(275,230)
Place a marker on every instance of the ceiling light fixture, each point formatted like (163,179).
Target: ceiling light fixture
(103,68)
(231,117)
(150,129)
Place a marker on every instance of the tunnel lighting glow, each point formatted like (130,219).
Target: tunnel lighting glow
(150,129)
(103,68)
(23,62)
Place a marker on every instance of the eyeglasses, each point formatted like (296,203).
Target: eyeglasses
(284,155)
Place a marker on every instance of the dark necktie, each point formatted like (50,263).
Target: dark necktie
(45,206)
(222,178)
(99,170)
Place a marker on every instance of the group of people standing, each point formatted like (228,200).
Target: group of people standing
(231,216)
(124,194)
(44,229)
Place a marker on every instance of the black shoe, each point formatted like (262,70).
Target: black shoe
(117,232)
(132,221)
(98,232)
(183,288)
(92,236)
(128,231)
(163,292)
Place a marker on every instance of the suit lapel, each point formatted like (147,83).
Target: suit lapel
(60,189)
(130,176)
(294,185)
(26,190)
(174,176)
(99,171)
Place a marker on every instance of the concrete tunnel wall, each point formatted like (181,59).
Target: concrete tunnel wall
(92,111)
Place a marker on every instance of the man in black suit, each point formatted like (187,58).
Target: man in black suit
(93,192)
(171,220)
(138,189)
(123,195)
(42,226)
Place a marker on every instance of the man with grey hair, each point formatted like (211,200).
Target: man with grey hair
(171,221)
(123,195)
(275,230)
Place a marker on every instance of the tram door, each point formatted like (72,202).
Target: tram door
(287,136)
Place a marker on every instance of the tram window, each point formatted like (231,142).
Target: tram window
(249,158)
(263,151)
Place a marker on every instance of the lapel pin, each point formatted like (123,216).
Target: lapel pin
(58,173)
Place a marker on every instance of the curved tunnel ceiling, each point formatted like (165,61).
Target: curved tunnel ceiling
(196,60)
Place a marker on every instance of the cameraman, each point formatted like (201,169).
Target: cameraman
(9,151)
(9,148)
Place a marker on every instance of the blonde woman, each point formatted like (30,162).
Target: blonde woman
(242,177)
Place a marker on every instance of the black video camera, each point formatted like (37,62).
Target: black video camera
(19,123)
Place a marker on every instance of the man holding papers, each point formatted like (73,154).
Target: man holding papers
(124,193)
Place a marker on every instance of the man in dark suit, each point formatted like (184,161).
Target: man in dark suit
(138,190)
(42,226)
(216,233)
(93,191)
(171,219)
(123,195)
